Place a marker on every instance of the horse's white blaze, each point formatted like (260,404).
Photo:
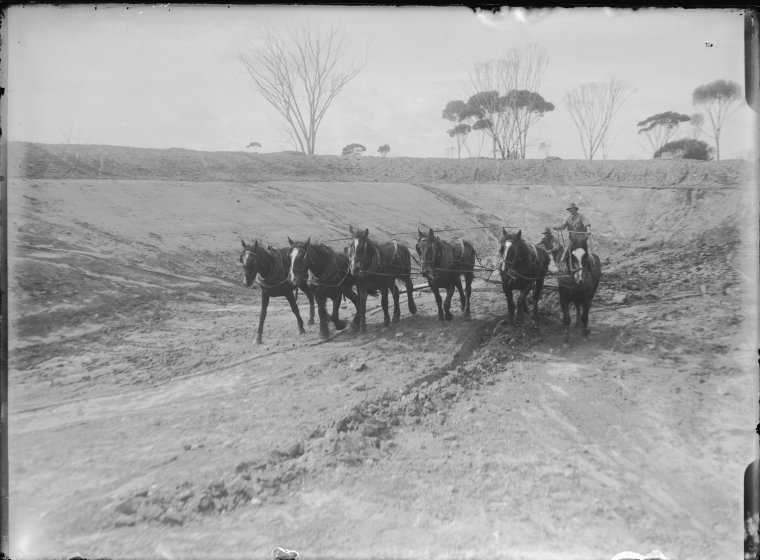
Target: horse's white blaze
(578,273)
(352,264)
(503,265)
(293,257)
(246,259)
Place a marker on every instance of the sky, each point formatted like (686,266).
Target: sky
(170,76)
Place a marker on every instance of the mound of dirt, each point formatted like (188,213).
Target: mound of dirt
(51,161)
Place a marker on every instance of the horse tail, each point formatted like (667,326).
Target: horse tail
(472,256)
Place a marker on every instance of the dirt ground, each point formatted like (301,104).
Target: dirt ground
(146,423)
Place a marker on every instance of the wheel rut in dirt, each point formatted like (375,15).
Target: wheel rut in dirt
(363,435)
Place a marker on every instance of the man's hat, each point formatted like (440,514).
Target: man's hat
(548,231)
(572,205)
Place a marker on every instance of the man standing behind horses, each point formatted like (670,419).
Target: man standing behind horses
(575,223)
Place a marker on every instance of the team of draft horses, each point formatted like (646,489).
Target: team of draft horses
(373,268)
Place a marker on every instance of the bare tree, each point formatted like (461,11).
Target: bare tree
(592,107)
(300,74)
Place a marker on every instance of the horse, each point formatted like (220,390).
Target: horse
(269,269)
(522,267)
(443,264)
(330,278)
(376,266)
(579,274)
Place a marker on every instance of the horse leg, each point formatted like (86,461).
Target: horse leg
(310,295)
(578,311)
(565,305)
(324,318)
(396,305)
(467,293)
(439,302)
(521,305)
(362,310)
(410,295)
(339,325)
(447,304)
(537,296)
(384,304)
(462,299)
(510,304)
(294,308)
(262,315)
(354,298)
(586,305)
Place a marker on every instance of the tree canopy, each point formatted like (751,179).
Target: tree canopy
(685,148)
(660,128)
(718,100)
(384,149)
(354,149)
(506,118)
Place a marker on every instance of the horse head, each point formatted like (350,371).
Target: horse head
(250,261)
(579,264)
(426,249)
(511,249)
(358,253)
(299,262)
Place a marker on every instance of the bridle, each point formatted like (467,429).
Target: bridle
(362,266)
(509,264)
(430,246)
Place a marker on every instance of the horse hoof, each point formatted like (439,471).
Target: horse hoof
(340,325)
(302,331)
(449,316)
(412,308)
(396,319)
(311,321)
(258,341)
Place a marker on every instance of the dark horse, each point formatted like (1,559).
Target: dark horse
(271,266)
(522,267)
(443,264)
(579,275)
(330,278)
(376,266)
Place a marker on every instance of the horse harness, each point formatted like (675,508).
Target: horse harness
(376,261)
(447,256)
(330,269)
(275,270)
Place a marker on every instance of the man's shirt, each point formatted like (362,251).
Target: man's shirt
(575,223)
